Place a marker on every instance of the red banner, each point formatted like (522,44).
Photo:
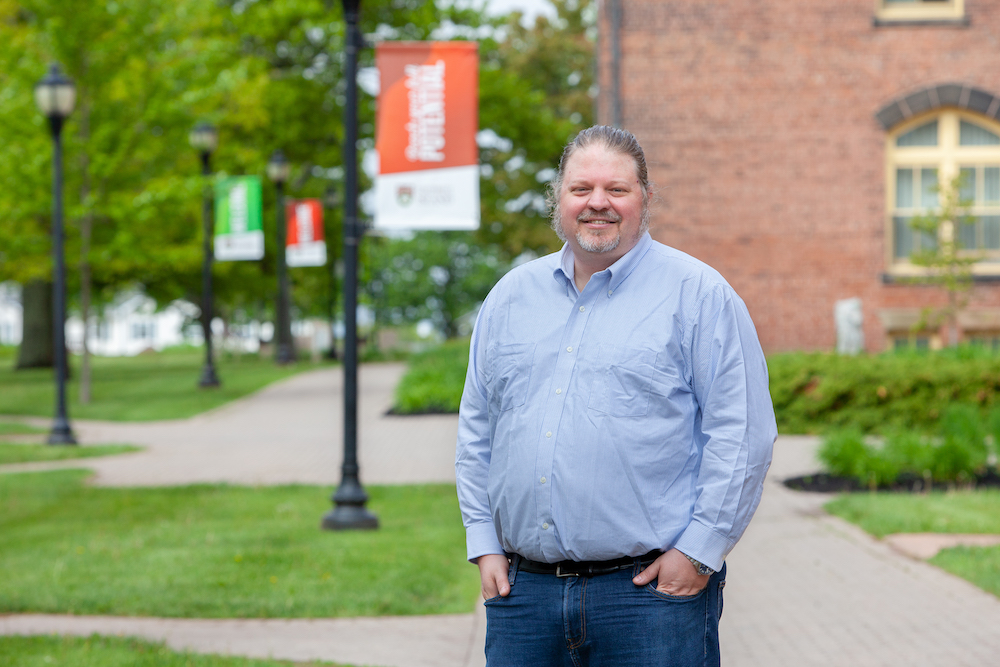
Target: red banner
(305,245)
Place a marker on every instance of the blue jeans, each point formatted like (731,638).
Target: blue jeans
(601,621)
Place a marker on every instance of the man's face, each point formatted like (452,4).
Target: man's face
(600,204)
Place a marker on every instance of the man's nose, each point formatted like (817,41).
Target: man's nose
(598,199)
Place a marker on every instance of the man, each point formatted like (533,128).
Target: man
(614,434)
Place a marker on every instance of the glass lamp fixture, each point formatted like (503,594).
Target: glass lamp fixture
(55,95)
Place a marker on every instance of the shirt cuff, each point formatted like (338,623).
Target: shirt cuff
(704,545)
(481,539)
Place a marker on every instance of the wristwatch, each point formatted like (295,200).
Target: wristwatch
(702,568)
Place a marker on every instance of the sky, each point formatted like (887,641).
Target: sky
(529,7)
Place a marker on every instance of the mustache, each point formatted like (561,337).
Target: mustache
(590,215)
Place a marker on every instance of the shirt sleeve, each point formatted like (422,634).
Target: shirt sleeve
(472,453)
(736,425)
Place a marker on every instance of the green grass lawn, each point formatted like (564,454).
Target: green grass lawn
(953,512)
(97,651)
(15,428)
(24,453)
(162,385)
(221,551)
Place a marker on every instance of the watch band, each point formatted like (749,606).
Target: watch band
(701,567)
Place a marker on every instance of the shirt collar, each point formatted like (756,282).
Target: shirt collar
(619,271)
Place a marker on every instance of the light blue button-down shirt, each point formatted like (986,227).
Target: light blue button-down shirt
(632,416)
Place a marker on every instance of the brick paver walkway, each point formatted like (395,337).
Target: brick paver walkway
(804,588)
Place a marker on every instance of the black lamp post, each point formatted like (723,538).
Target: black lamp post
(204,138)
(278,170)
(331,200)
(55,96)
(349,511)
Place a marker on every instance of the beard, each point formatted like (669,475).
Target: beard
(602,243)
(606,241)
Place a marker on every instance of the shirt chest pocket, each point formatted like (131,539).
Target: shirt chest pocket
(623,382)
(511,373)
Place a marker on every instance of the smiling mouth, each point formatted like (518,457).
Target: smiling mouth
(593,218)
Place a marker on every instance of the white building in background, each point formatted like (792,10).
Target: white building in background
(131,324)
(11,316)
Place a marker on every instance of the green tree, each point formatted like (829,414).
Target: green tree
(439,276)
(269,75)
(948,264)
(143,72)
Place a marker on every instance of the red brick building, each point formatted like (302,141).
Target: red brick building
(791,140)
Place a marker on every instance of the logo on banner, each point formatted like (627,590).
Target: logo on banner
(305,245)
(239,233)
(404,195)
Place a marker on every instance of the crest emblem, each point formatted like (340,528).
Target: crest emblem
(404,195)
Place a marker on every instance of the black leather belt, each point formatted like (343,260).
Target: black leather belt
(588,568)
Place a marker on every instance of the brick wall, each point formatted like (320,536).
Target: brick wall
(758,120)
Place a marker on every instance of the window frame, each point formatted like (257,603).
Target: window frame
(948,157)
(919,11)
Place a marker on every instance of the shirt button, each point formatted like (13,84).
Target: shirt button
(558,391)
(569,349)
(549,434)
(545,526)
(582,309)
(543,480)
(610,292)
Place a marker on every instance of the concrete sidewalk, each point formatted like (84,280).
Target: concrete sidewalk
(290,432)
(803,588)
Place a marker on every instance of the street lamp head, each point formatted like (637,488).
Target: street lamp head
(204,137)
(278,168)
(55,95)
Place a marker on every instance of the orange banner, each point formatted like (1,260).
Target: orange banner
(428,116)
(428,107)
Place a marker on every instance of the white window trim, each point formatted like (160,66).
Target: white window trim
(947,158)
(920,11)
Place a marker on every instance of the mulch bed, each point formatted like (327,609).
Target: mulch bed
(822,482)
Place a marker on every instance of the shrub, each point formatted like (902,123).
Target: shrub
(434,380)
(962,452)
(957,455)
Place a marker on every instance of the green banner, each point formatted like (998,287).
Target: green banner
(239,233)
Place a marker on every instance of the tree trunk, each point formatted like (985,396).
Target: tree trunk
(36,349)
(86,225)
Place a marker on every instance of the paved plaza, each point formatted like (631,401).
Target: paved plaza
(804,588)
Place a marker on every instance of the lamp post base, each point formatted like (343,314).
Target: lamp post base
(208,377)
(349,512)
(61,434)
(349,517)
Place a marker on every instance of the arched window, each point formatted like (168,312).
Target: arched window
(924,155)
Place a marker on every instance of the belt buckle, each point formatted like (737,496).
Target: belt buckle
(560,573)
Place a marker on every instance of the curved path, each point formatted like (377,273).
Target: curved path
(804,588)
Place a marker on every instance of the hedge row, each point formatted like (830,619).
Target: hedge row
(815,393)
